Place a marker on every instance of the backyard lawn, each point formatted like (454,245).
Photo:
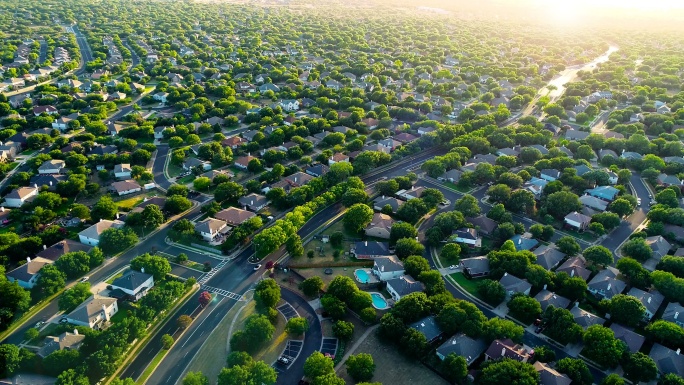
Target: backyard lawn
(468,284)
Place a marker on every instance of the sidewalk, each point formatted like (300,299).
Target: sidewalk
(356,345)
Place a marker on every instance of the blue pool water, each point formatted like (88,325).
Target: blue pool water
(362,276)
(379,301)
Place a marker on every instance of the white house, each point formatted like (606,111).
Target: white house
(403,286)
(27,274)
(53,166)
(290,105)
(91,235)
(122,171)
(134,284)
(578,221)
(125,187)
(160,96)
(94,313)
(159,132)
(210,228)
(19,196)
(386,268)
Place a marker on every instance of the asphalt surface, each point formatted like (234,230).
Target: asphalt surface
(158,168)
(43,52)
(134,56)
(83,45)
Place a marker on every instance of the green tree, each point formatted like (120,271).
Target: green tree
(613,379)
(568,245)
(312,286)
(402,230)
(561,203)
(451,252)
(318,365)
(639,367)
(10,359)
(297,326)
(156,265)
(415,265)
(665,332)
(491,291)
(408,246)
(524,308)
(71,377)
(294,246)
(105,208)
(267,294)
(177,189)
(498,328)
(353,196)
(576,369)
(195,378)
(360,367)
(621,207)
(343,330)
(50,280)
(638,249)
(80,211)
(167,341)
(152,216)
(74,296)
(561,325)
(455,367)
(508,371)
(637,275)
(229,191)
(176,204)
(601,346)
(671,379)
(626,310)
(468,206)
(598,255)
(357,217)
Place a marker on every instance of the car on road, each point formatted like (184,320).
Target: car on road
(638,201)
(284,360)
(539,329)
(257,267)
(63,320)
(39,324)
(452,267)
(84,279)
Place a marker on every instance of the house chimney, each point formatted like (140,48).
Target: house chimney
(44,247)
(505,274)
(520,240)
(365,243)
(576,304)
(117,215)
(28,259)
(35,185)
(676,315)
(649,300)
(76,331)
(572,273)
(142,270)
(679,350)
(104,312)
(545,286)
(2,209)
(503,352)
(608,288)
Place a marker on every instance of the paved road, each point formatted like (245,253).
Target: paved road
(83,45)
(627,227)
(111,265)
(158,168)
(134,56)
(43,52)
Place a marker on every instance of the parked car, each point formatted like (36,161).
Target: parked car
(257,267)
(537,322)
(284,360)
(84,279)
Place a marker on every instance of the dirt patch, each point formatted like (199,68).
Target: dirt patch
(391,367)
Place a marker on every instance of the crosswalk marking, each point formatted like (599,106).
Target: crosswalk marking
(205,277)
(224,293)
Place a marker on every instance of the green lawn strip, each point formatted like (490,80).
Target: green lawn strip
(151,367)
(456,187)
(153,329)
(468,285)
(186,179)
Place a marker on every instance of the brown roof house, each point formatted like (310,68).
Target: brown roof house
(575,267)
(380,226)
(548,257)
(549,376)
(62,247)
(210,228)
(234,216)
(94,313)
(125,187)
(65,341)
(253,202)
(507,349)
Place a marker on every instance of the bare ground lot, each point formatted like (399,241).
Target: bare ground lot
(391,367)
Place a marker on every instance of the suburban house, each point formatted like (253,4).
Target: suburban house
(380,226)
(651,301)
(585,319)
(607,193)
(159,132)
(191,163)
(550,376)
(605,284)
(548,257)
(132,286)
(53,166)
(659,245)
(475,267)
(578,221)
(243,161)
(60,248)
(633,340)
(62,123)
(209,228)
(253,202)
(234,216)
(667,360)
(593,202)
(160,96)
(674,312)
(386,268)
(19,196)
(483,224)
(337,158)
(547,298)
(94,313)
(575,267)
(403,286)
(549,174)
(413,193)
(427,327)
(524,243)
(298,179)
(233,142)
(467,236)
(507,349)
(317,170)
(50,110)
(125,187)
(65,341)
(290,105)
(91,235)
(452,176)
(369,250)
(27,274)
(513,285)
(379,203)
(464,346)
(122,171)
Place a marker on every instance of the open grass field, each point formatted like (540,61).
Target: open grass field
(391,367)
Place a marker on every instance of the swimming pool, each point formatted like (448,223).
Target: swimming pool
(379,301)
(362,275)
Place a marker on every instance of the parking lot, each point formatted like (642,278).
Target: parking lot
(288,311)
(291,351)
(329,346)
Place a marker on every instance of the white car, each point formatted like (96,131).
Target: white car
(257,267)
(84,279)
(452,267)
